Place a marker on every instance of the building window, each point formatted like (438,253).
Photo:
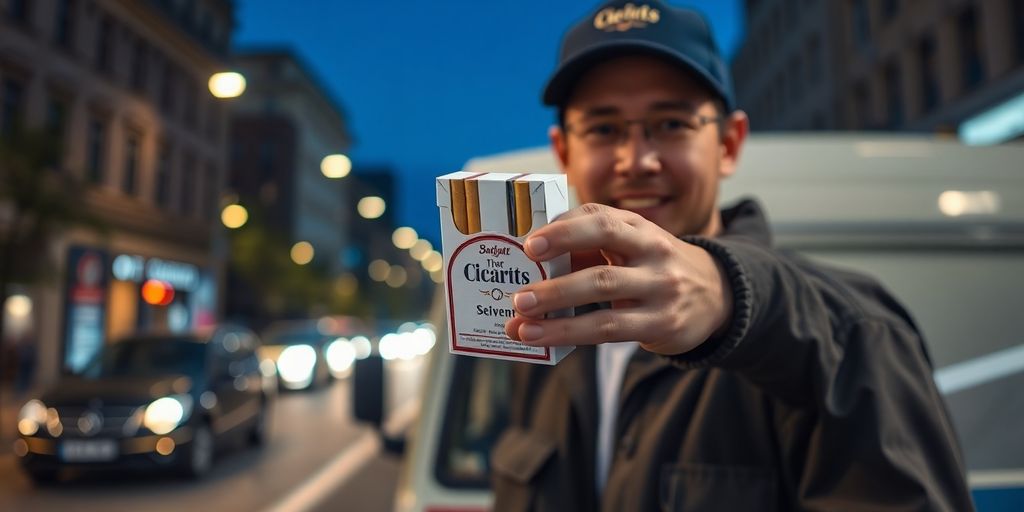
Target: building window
(20,10)
(96,151)
(188,185)
(970,48)
(893,96)
(861,23)
(795,79)
(189,103)
(861,106)
(56,126)
(813,59)
(1018,27)
(212,194)
(64,23)
(104,45)
(129,179)
(889,9)
(139,57)
(163,177)
(928,62)
(212,119)
(12,111)
(167,87)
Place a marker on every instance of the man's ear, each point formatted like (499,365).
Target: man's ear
(559,145)
(737,125)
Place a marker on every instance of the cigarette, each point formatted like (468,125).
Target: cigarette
(524,211)
(473,206)
(459,214)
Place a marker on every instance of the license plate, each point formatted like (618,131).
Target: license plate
(99,450)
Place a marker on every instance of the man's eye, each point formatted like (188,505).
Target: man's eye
(603,130)
(671,125)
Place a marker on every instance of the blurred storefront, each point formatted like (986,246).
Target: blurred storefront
(122,86)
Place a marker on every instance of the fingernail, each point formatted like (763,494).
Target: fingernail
(537,245)
(530,332)
(524,300)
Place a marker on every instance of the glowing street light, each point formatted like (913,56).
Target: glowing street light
(379,270)
(371,207)
(404,237)
(228,84)
(420,249)
(336,166)
(396,276)
(433,262)
(234,216)
(302,253)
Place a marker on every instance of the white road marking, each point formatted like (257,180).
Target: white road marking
(340,469)
(330,477)
(978,371)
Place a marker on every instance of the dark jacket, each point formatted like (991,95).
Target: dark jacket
(819,396)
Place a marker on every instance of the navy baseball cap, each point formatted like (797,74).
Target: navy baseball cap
(681,36)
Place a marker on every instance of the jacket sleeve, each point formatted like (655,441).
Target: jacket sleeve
(860,418)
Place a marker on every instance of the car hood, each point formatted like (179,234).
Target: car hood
(115,390)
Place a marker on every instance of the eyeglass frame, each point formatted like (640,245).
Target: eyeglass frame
(645,123)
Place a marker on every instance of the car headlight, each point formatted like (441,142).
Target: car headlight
(165,414)
(32,416)
(296,363)
(340,355)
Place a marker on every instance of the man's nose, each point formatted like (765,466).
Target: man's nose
(635,155)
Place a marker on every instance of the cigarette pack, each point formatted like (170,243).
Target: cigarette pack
(485,218)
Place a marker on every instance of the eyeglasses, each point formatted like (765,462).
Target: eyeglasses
(668,129)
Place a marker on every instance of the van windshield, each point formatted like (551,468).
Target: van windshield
(476,414)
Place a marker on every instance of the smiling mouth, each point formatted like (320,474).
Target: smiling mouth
(639,203)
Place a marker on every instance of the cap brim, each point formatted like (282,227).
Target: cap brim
(561,84)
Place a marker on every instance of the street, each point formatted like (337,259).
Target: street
(314,449)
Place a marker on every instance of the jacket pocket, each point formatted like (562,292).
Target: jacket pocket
(517,459)
(705,487)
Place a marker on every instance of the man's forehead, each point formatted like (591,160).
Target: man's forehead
(634,79)
(599,110)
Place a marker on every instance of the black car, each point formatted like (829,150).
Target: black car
(161,401)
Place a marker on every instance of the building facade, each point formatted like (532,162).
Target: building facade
(916,65)
(123,86)
(282,129)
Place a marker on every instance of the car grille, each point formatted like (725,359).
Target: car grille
(113,421)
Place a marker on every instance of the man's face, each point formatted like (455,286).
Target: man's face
(665,167)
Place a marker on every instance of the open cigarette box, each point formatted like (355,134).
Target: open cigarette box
(485,217)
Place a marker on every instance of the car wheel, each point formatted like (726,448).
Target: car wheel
(199,459)
(258,434)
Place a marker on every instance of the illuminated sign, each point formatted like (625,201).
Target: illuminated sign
(130,267)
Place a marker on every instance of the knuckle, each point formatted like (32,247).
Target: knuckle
(606,224)
(604,280)
(607,328)
(592,208)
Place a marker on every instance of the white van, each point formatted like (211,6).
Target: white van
(941,224)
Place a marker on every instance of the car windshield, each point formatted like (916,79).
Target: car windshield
(148,357)
(293,338)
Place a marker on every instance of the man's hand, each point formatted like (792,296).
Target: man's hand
(669,295)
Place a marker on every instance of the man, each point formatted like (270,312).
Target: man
(726,375)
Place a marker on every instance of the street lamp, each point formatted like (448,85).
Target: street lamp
(302,253)
(404,237)
(228,84)
(234,216)
(371,207)
(336,166)
(420,249)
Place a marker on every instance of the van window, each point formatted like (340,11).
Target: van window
(476,414)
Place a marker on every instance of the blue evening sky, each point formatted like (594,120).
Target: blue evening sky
(426,85)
